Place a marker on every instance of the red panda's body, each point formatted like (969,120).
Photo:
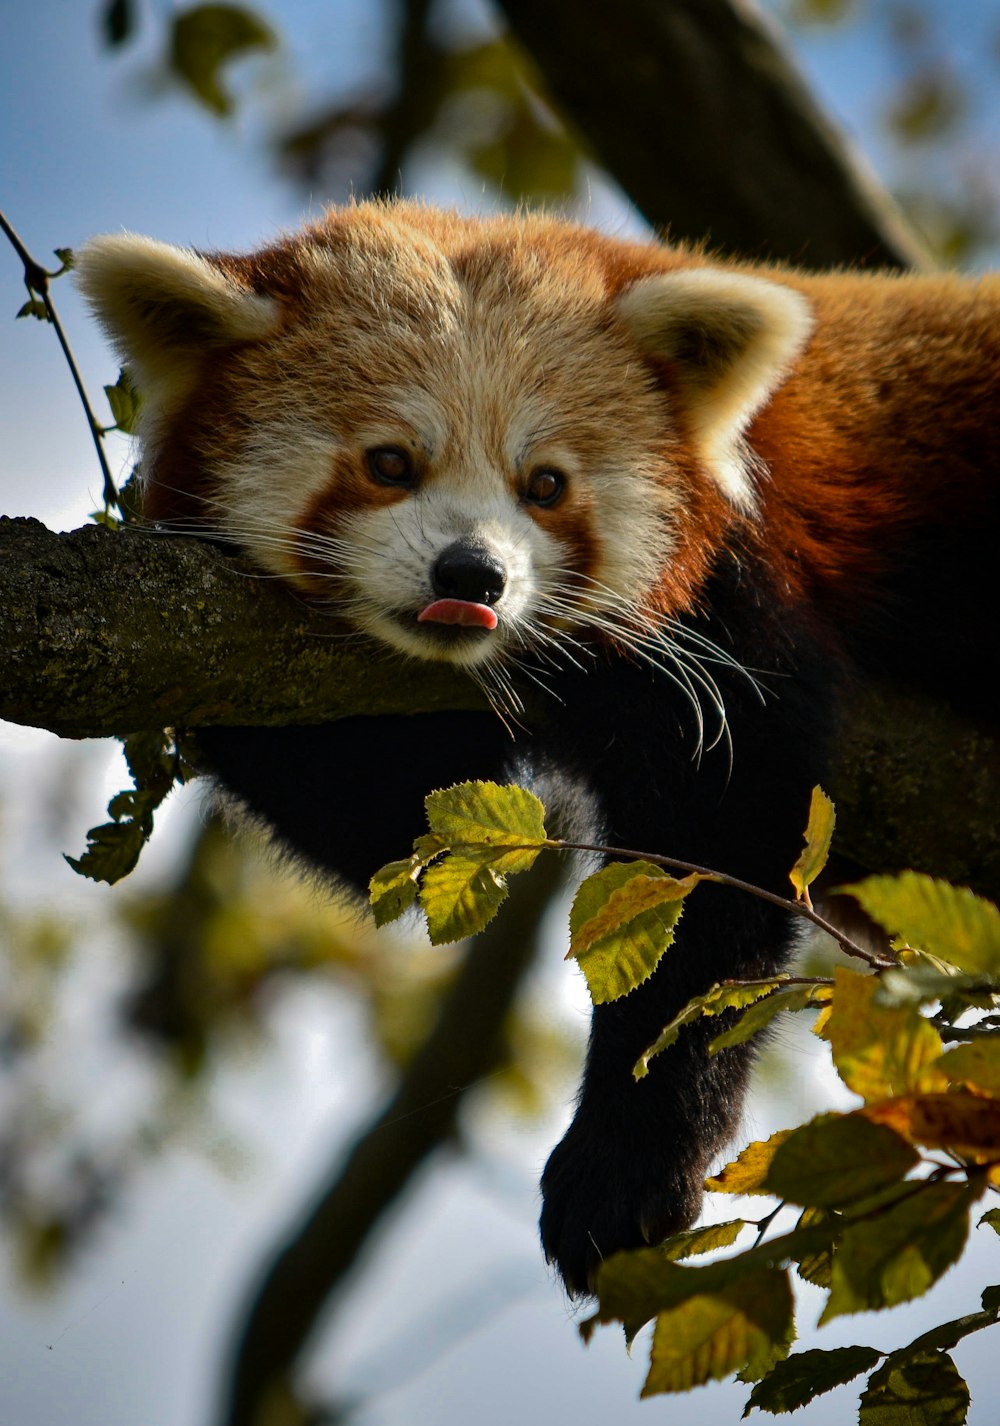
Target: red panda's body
(626,473)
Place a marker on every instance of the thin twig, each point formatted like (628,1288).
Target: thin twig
(36,280)
(797,908)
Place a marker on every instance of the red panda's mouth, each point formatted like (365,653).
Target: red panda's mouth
(464,612)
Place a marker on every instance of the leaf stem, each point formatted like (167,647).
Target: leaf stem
(36,280)
(797,908)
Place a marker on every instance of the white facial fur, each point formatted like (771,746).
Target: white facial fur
(484,357)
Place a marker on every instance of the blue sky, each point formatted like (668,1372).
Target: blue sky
(139,1331)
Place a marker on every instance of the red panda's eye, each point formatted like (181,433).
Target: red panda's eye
(391,465)
(545,486)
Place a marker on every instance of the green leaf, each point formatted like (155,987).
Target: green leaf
(901,1251)
(744,1326)
(948,921)
(837,1159)
(975,1065)
(113,848)
(208,37)
(801,1378)
(459,896)
(112,851)
(622,920)
(991,1299)
(393,889)
(819,835)
(992,1217)
(124,400)
(760,1014)
(34,307)
(879,1050)
(922,1390)
(695,1241)
(817,1266)
(715,1001)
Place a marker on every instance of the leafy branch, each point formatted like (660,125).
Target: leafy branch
(37,279)
(882,1214)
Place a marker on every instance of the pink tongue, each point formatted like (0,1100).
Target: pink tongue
(458,611)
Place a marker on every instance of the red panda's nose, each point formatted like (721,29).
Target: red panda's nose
(469,572)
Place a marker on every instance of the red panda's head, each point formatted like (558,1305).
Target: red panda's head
(470,438)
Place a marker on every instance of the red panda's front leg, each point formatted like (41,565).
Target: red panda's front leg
(631,1166)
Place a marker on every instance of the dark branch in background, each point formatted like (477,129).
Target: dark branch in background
(696,110)
(466,1045)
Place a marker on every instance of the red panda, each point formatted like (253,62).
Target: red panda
(683,500)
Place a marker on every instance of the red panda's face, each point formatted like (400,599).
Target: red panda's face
(456,437)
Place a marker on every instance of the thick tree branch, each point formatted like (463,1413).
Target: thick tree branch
(111,633)
(466,1044)
(106,633)
(697,110)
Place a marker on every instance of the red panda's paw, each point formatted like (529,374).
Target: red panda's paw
(605,1191)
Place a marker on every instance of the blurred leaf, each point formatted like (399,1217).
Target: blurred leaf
(34,307)
(949,922)
(929,104)
(817,1267)
(117,22)
(207,38)
(975,1065)
(837,1159)
(879,1050)
(902,1250)
(966,1124)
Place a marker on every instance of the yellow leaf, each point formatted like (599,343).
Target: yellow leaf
(484,816)
(622,921)
(745,1326)
(966,1124)
(975,1065)
(714,1001)
(819,834)
(879,1050)
(748,1172)
(947,921)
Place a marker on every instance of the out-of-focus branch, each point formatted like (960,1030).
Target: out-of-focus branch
(466,1045)
(698,112)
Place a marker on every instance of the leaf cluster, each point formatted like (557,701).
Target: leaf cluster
(155,762)
(884,1192)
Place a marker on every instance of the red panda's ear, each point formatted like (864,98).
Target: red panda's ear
(731,339)
(163,307)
